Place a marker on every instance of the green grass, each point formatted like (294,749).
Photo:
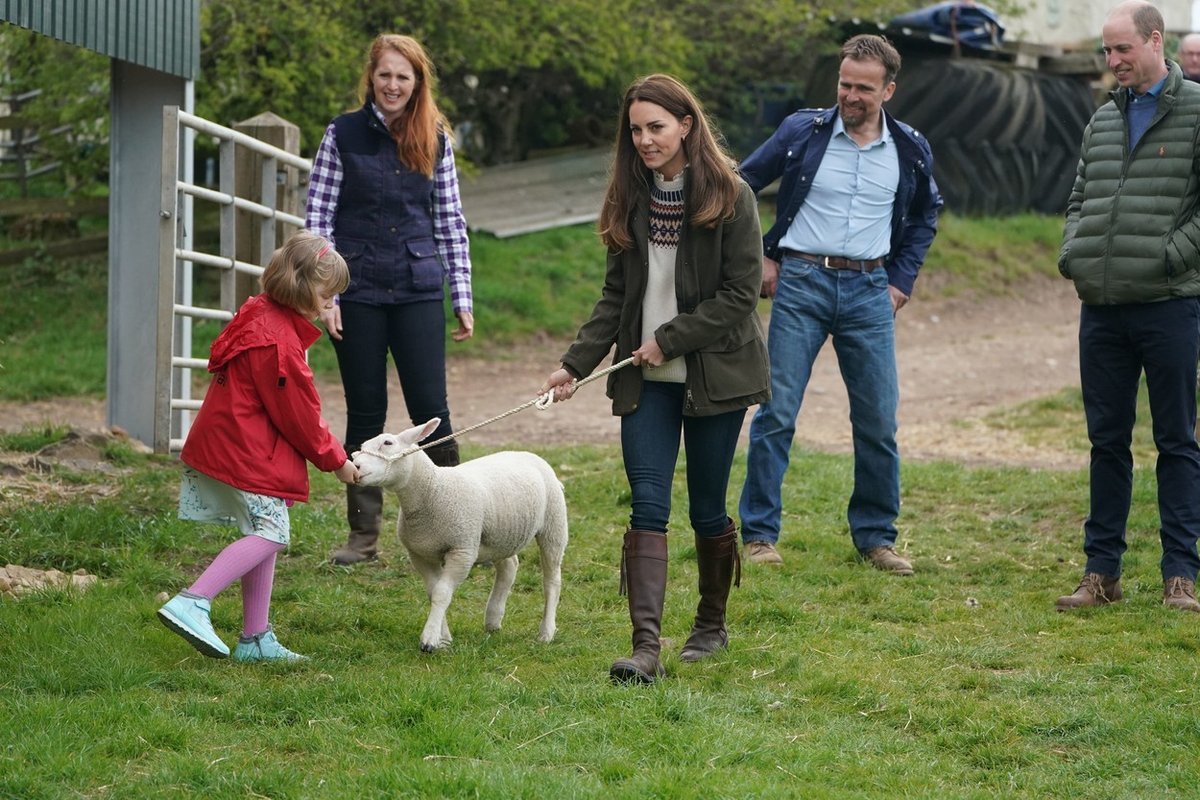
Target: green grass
(992,254)
(30,440)
(839,682)
(52,328)
(1057,421)
(542,286)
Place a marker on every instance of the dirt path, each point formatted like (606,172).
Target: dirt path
(959,360)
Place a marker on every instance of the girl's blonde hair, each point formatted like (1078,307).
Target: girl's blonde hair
(711,187)
(303,267)
(416,130)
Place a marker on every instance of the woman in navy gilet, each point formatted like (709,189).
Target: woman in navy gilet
(384,190)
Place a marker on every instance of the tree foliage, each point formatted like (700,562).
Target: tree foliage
(65,110)
(298,58)
(516,76)
(523,75)
(528,74)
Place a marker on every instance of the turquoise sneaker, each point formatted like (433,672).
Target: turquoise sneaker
(189,617)
(263,647)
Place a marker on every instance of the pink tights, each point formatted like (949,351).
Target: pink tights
(251,558)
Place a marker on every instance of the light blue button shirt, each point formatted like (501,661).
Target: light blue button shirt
(848,210)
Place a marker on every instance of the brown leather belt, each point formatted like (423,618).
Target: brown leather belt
(836,262)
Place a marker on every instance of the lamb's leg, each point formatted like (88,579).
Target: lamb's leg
(430,571)
(456,565)
(506,574)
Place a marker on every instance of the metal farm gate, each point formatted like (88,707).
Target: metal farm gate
(205,286)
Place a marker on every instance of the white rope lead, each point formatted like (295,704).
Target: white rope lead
(542,401)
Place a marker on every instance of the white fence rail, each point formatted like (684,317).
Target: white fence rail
(186,293)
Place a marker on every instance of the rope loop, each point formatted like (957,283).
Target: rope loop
(542,402)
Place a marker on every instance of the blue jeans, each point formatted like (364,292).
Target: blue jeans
(1116,343)
(650,448)
(813,303)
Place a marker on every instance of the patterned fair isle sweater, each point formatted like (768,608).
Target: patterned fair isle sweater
(660,304)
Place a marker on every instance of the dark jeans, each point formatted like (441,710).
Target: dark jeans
(415,334)
(650,447)
(1116,343)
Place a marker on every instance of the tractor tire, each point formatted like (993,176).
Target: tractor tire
(1005,139)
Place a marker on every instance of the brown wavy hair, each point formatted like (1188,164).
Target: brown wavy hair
(305,265)
(868,46)
(416,130)
(711,183)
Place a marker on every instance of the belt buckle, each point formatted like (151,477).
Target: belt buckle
(826,259)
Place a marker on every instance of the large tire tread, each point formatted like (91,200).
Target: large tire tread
(1005,140)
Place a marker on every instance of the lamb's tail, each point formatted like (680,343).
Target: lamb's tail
(552,538)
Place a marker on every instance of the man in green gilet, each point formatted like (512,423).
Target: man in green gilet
(1132,247)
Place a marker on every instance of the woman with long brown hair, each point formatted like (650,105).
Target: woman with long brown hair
(680,292)
(384,190)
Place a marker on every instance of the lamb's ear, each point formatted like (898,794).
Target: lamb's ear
(429,427)
(413,435)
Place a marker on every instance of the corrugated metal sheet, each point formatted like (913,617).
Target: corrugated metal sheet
(159,34)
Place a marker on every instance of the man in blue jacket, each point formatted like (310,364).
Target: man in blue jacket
(856,213)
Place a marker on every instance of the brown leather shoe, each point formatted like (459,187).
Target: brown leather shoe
(1094,590)
(1179,592)
(887,559)
(759,552)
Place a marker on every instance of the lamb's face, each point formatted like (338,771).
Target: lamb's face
(380,461)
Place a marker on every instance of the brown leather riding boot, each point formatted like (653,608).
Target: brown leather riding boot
(644,576)
(719,566)
(364,508)
(445,454)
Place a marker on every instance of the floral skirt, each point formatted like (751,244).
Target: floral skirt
(205,499)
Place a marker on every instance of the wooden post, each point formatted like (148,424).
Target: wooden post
(254,240)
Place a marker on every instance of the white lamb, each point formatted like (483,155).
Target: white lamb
(482,510)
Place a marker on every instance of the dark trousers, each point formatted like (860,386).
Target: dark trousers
(1116,344)
(415,335)
(650,448)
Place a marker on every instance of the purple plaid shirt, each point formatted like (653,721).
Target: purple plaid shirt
(449,226)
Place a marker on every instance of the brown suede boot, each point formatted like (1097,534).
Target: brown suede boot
(445,454)
(644,575)
(718,565)
(1094,590)
(1180,593)
(364,508)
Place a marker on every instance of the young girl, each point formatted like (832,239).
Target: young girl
(680,291)
(245,454)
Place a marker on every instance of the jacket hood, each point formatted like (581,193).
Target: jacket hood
(255,325)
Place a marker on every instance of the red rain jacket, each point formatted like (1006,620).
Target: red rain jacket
(261,417)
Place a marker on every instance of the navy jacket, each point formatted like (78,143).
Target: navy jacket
(384,221)
(794,152)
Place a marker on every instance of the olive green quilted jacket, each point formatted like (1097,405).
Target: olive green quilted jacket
(1133,219)
(718,274)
